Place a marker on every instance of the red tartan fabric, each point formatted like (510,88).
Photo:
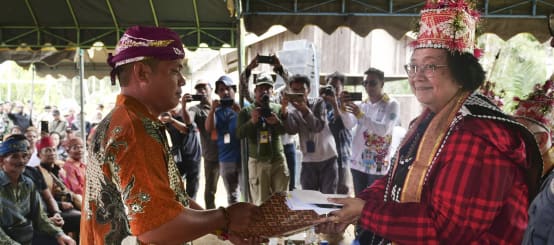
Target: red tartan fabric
(475,192)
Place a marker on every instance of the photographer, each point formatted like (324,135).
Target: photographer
(223,118)
(340,123)
(186,148)
(199,114)
(261,125)
(377,117)
(308,118)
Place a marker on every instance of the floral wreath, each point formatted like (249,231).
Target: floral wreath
(538,105)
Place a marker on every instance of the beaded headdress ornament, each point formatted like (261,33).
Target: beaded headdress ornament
(448,24)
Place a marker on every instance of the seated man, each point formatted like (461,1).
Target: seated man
(21,213)
(68,202)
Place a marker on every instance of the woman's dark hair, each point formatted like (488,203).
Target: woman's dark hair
(466,70)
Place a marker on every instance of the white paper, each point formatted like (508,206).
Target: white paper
(309,199)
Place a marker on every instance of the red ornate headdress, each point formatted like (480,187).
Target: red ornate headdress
(448,24)
(538,105)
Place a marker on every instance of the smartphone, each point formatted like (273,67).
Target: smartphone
(266,59)
(196,97)
(297,97)
(355,96)
(44,126)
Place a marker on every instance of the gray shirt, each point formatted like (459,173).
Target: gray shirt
(313,127)
(199,114)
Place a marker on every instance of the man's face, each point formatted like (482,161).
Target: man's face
(261,90)
(47,155)
(204,90)
(300,88)
(76,151)
(31,136)
(164,86)
(337,85)
(224,91)
(14,163)
(372,85)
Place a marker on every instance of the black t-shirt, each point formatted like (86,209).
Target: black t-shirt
(36,176)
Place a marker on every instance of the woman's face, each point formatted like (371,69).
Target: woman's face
(433,88)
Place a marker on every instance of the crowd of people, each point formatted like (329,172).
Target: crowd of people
(464,172)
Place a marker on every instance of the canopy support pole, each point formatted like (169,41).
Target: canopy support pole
(240,64)
(82,100)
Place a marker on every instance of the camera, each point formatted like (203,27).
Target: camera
(327,90)
(226,102)
(266,59)
(196,97)
(265,109)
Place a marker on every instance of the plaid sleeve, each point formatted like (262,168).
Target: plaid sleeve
(466,191)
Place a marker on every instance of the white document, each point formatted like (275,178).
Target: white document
(312,200)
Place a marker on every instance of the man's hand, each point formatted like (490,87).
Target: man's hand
(65,240)
(215,104)
(66,205)
(329,227)
(272,120)
(57,220)
(255,115)
(247,241)
(241,215)
(186,97)
(301,105)
(352,108)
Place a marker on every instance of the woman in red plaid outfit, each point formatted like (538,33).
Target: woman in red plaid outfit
(465,172)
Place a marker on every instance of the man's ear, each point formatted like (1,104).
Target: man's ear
(141,72)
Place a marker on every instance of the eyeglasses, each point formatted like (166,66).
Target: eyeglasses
(371,83)
(427,69)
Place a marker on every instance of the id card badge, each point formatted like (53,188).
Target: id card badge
(264,137)
(226,138)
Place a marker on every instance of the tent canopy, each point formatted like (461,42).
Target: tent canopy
(81,23)
(31,30)
(504,18)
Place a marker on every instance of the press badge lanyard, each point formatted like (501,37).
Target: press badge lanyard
(264,136)
(226,134)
